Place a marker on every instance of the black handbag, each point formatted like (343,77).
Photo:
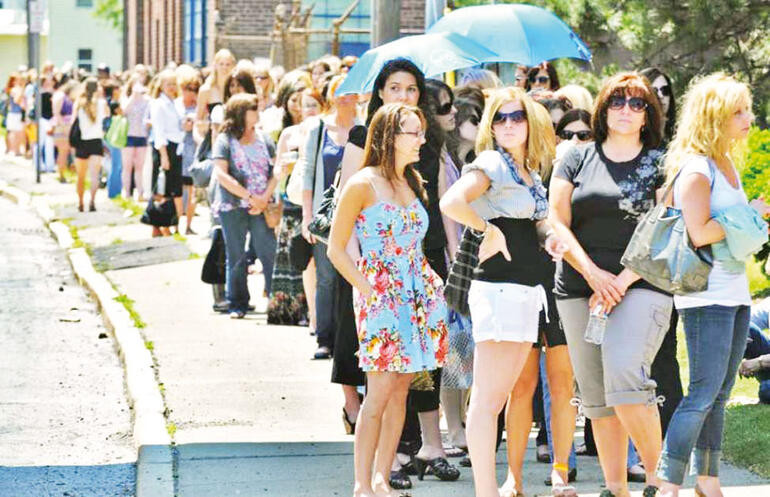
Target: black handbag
(75,138)
(321,224)
(300,251)
(160,213)
(213,271)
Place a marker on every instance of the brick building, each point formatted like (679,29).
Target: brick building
(159,31)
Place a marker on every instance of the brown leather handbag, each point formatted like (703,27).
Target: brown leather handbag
(273,213)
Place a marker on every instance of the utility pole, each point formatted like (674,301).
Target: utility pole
(386,21)
(35,19)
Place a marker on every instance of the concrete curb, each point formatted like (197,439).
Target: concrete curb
(154,468)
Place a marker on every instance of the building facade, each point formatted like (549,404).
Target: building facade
(160,31)
(13,37)
(77,36)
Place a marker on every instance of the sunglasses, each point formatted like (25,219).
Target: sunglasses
(663,91)
(261,77)
(418,134)
(584,135)
(191,88)
(444,109)
(517,116)
(541,79)
(474,120)
(636,104)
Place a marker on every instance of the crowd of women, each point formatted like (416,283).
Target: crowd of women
(477,235)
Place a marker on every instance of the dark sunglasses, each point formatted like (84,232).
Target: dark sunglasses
(541,79)
(444,109)
(663,91)
(584,135)
(191,88)
(474,120)
(636,104)
(516,116)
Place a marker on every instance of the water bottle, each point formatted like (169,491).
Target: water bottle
(597,323)
(160,185)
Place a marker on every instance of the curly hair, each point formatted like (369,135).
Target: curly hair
(235,114)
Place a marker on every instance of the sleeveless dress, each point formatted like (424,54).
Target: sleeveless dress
(402,326)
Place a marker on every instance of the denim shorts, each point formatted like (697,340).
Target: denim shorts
(618,371)
(136,141)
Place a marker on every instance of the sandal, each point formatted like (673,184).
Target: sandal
(562,489)
(350,426)
(509,492)
(399,480)
(438,467)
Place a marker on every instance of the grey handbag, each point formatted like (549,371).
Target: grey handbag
(661,253)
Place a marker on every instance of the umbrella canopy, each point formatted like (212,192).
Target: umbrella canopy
(519,33)
(433,53)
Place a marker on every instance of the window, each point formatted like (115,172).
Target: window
(195,32)
(84,3)
(85,59)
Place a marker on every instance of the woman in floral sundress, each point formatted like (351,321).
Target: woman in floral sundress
(398,300)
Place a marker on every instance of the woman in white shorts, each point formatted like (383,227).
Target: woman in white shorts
(501,195)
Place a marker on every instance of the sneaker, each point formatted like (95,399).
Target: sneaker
(322,352)
(237,314)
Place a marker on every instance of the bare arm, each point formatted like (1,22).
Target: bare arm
(696,210)
(353,199)
(228,182)
(352,160)
(456,204)
(449,224)
(202,113)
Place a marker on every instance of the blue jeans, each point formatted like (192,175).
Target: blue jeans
(759,345)
(326,288)
(235,225)
(716,338)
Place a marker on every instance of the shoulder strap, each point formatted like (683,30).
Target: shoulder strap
(320,137)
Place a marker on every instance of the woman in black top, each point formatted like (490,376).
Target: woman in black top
(598,193)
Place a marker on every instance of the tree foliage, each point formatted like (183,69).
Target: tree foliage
(110,11)
(683,38)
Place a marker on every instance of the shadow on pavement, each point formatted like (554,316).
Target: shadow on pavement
(111,480)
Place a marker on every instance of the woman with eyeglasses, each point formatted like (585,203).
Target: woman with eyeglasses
(543,77)
(501,197)
(574,127)
(398,298)
(599,192)
(661,83)
(461,142)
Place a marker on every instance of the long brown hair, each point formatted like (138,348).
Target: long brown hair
(380,150)
(630,84)
(87,100)
(235,114)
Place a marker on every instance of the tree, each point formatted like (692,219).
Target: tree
(110,11)
(684,39)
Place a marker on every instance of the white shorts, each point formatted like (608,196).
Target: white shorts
(13,122)
(506,312)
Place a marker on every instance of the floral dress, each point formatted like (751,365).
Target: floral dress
(402,326)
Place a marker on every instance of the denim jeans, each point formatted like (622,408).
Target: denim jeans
(326,286)
(759,345)
(235,225)
(716,338)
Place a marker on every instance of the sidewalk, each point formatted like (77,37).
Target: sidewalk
(248,411)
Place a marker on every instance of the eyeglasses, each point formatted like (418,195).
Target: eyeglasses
(444,109)
(636,104)
(541,79)
(515,117)
(261,77)
(474,120)
(418,134)
(663,91)
(584,135)
(191,88)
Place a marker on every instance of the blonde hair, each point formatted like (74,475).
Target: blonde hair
(213,78)
(578,96)
(708,106)
(541,139)
(165,75)
(186,75)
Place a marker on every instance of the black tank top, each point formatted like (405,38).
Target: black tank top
(46,107)
(526,265)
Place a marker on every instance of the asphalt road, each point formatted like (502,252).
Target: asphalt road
(65,425)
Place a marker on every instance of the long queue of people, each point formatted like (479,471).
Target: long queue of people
(477,235)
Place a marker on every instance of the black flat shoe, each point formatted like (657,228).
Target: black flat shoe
(571,477)
(399,480)
(650,491)
(438,467)
(465,462)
